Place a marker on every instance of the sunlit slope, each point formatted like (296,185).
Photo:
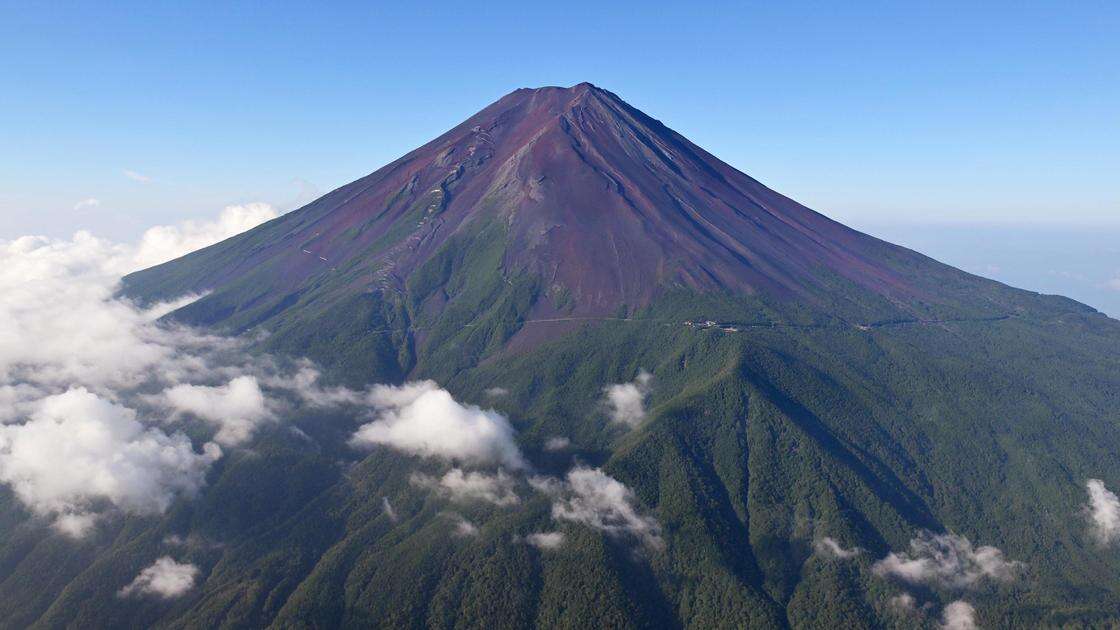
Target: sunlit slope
(808,382)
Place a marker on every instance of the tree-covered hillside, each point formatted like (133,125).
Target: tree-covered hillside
(561,368)
(758,445)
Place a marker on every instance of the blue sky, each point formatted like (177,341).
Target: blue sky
(876,114)
(881,112)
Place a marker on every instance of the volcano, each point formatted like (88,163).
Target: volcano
(559,206)
(593,197)
(824,430)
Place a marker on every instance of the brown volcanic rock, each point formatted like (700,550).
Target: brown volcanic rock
(597,202)
(611,204)
(598,197)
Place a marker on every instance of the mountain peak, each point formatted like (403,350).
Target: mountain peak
(578,88)
(594,206)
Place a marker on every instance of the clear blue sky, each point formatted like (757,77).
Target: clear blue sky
(882,112)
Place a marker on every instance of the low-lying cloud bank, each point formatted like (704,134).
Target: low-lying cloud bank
(165,579)
(78,426)
(91,384)
(76,449)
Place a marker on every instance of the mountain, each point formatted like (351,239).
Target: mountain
(809,386)
(555,204)
(589,195)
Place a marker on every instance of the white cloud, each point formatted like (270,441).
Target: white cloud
(471,486)
(590,497)
(191,541)
(959,615)
(947,561)
(75,525)
(165,578)
(1113,284)
(557,443)
(46,289)
(423,419)
(388,509)
(546,540)
(87,204)
(497,392)
(305,384)
(462,527)
(828,547)
(1104,512)
(47,286)
(236,408)
(17,401)
(167,242)
(77,434)
(903,602)
(627,400)
(78,449)
(136,177)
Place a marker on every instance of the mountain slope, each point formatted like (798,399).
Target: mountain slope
(593,195)
(560,241)
(552,204)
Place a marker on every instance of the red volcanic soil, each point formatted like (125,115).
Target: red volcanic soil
(599,199)
(613,205)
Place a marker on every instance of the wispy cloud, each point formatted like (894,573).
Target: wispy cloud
(590,497)
(546,540)
(947,561)
(307,192)
(136,177)
(87,204)
(165,578)
(388,509)
(903,602)
(1104,512)
(557,443)
(466,487)
(461,527)
(829,548)
(166,242)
